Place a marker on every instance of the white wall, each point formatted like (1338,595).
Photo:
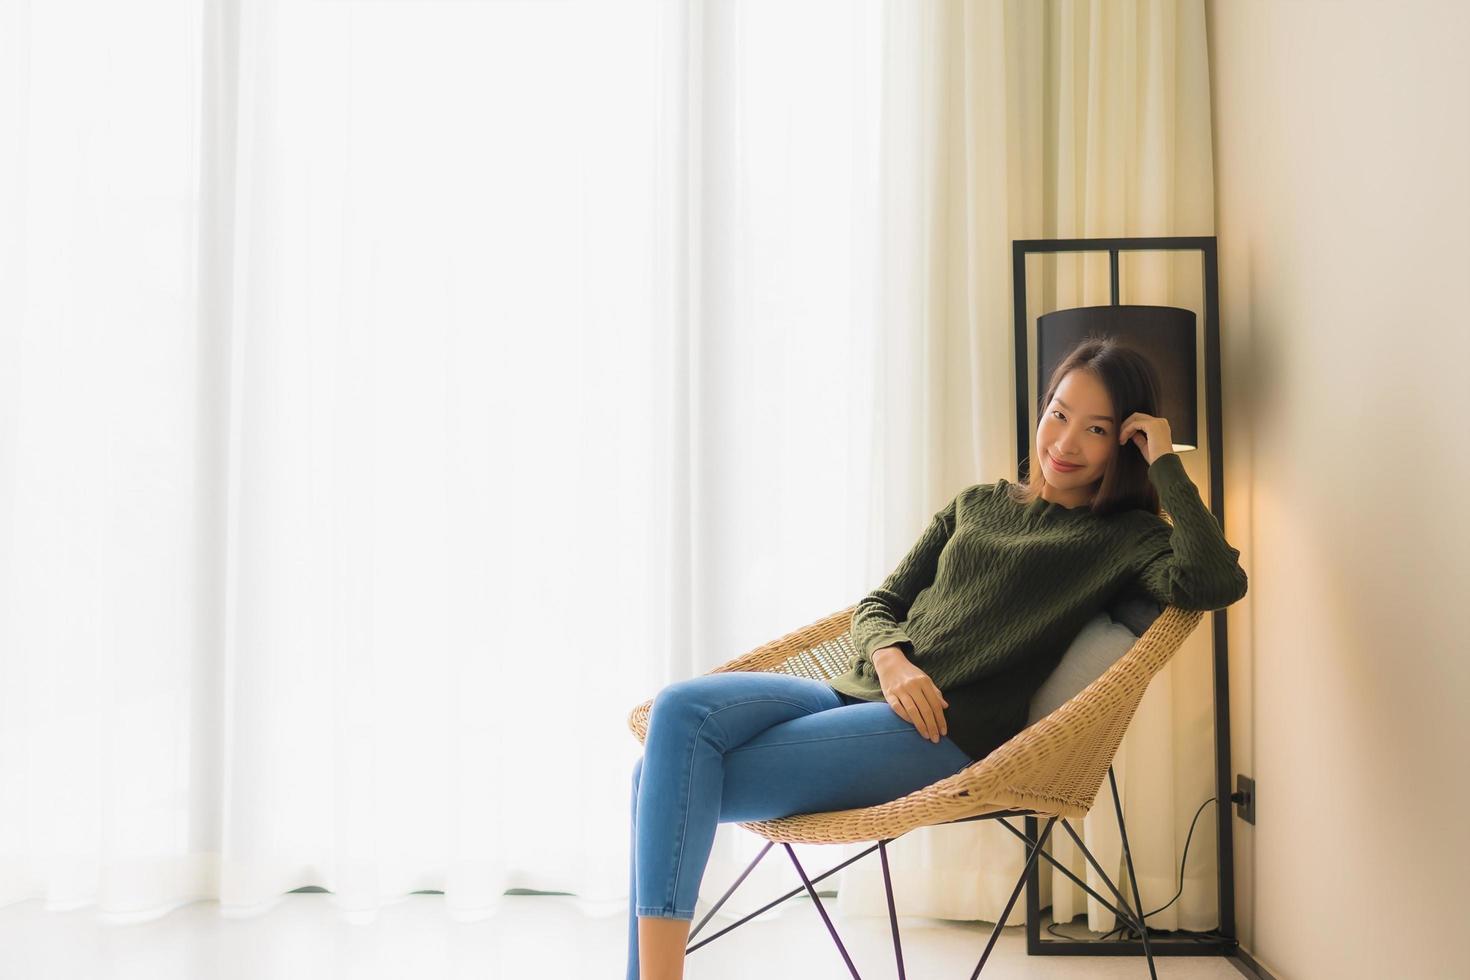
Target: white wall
(1342,155)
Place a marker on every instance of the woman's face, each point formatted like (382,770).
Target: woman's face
(1070,431)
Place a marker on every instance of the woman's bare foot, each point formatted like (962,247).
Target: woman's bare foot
(661,945)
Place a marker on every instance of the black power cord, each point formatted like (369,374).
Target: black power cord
(1128,932)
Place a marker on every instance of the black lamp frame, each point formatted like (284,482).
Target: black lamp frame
(1228,945)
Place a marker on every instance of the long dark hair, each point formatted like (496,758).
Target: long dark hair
(1132,383)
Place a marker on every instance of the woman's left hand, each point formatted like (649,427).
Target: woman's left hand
(1149,433)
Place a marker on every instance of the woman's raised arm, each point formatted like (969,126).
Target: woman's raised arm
(1189,565)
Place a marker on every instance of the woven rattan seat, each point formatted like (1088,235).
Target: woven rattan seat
(1051,769)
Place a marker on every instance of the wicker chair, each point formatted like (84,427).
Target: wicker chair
(1052,769)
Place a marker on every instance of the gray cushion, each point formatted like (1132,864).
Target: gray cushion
(1105,638)
(1095,649)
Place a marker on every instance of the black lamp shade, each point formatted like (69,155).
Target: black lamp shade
(1163,334)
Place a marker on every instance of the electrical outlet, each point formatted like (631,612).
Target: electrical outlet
(1244,798)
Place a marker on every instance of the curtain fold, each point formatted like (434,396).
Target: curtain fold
(397,394)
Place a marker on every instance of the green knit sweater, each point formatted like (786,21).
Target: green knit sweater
(988,600)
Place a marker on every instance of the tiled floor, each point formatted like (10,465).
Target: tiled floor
(551,936)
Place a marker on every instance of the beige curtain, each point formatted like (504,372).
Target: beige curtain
(1009,120)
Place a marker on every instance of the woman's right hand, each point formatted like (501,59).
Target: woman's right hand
(911,693)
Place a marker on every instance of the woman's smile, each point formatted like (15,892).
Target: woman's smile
(1061,467)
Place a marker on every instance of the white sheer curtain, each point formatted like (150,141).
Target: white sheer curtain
(394,394)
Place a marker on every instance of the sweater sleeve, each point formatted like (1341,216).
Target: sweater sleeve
(1188,564)
(875,621)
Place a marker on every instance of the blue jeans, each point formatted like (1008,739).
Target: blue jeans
(747,745)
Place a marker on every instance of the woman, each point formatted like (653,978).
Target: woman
(950,647)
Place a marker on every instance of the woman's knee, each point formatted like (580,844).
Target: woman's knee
(689,699)
(669,692)
(676,698)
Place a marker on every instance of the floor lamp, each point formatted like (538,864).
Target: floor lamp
(1167,336)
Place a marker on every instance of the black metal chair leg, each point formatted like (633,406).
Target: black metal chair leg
(731,890)
(1128,915)
(1123,911)
(892,912)
(1132,878)
(1015,893)
(822,909)
(1131,917)
(772,904)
